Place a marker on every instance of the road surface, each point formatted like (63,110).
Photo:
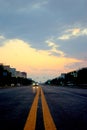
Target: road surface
(66,106)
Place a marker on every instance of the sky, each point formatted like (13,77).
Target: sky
(43,37)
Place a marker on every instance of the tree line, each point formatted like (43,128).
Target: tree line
(74,78)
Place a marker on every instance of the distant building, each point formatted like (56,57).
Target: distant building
(18,74)
(63,75)
(15,73)
(9,76)
(74,73)
(11,70)
(6,67)
(24,74)
(21,74)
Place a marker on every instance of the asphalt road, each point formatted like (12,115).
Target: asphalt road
(68,107)
(15,104)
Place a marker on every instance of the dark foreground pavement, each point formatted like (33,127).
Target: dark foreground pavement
(68,107)
(15,104)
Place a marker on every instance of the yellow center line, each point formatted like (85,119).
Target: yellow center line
(31,120)
(48,120)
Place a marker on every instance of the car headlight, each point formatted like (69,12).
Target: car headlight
(33,84)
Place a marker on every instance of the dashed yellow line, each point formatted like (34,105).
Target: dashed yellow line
(48,120)
(31,120)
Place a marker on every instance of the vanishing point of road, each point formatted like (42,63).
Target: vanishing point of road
(43,108)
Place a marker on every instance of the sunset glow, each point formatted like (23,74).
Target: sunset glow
(21,55)
(43,38)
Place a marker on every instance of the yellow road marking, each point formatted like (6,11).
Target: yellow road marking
(48,120)
(31,120)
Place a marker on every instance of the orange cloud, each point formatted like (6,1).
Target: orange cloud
(23,57)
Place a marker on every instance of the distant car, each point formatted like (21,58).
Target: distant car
(12,85)
(35,84)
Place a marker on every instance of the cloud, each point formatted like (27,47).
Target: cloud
(2,37)
(64,37)
(54,48)
(51,43)
(84,32)
(23,57)
(73,33)
(32,6)
(39,4)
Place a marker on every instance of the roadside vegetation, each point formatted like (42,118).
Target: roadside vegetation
(72,79)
